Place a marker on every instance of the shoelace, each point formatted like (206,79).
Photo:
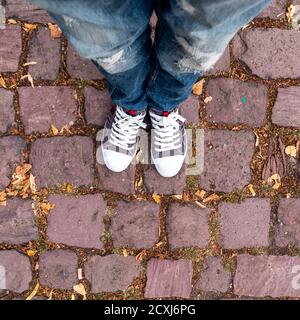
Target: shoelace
(125,129)
(167,135)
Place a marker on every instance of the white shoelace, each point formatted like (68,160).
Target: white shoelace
(125,129)
(167,133)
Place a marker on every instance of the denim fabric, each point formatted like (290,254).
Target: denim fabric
(191,36)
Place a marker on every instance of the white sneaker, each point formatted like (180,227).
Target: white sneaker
(120,138)
(168,142)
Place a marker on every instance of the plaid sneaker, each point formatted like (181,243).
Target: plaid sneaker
(168,141)
(120,138)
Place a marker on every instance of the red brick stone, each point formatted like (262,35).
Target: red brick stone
(245,224)
(17,222)
(227,156)
(287,230)
(135,224)
(11,48)
(45,51)
(7,111)
(187,226)
(76,220)
(269,53)
(98,105)
(10,156)
(58,269)
(42,107)
(169,278)
(267,276)
(17,271)
(286,111)
(81,68)
(228,102)
(111,273)
(60,160)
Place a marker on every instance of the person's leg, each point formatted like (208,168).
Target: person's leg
(115,34)
(191,37)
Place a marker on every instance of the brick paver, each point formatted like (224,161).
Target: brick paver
(286,111)
(214,277)
(287,229)
(11,48)
(69,160)
(58,269)
(187,226)
(17,223)
(136,230)
(17,270)
(245,224)
(10,156)
(135,224)
(227,156)
(168,278)
(261,51)
(236,102)
(263,276)
(45,51)
(68,225)
(42,107)
(7,110)
(111,273)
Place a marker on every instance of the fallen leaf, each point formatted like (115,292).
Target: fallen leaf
(212,197)
(31,253)
(275,178)
(32,183)
(199,204)
(207,99)
(251,189)
(12,21)
(177,196)
(2,198)
(80,289)
(69,187)
(290,12)
(291,151)
(139,183)
(54,130)
(186,197)
(125,253)
(55,31)
(139,257)
(46,207)
(2,82)
(159,244)
(200,193)
(156,197)
(34,292)
(198,87)
(28,27)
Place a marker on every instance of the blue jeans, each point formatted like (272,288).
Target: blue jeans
(191,36)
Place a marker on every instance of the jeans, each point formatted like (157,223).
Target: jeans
(191,36)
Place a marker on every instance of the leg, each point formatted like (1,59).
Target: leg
(115,34)
(191,37)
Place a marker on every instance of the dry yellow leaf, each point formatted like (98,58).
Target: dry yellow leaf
(31,253)
(2,198)
(198,87)
(125,253)
(2,82)
(80,289)
(46,207)
(199,204)
(69,188)
(212,197)
(54,130)
(139,182)
(251,189)
(32,184)
(55,31)
(291,151)
(200,193)
(290,12)
(34,292)
(140,256)
(28,27)
(275,178)
(207,99)
(156,197)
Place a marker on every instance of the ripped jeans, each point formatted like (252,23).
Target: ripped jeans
(191,35)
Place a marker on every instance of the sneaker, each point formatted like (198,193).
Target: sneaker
(120,138)
(168,141)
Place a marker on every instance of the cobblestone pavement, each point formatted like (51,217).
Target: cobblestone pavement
(70,229)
